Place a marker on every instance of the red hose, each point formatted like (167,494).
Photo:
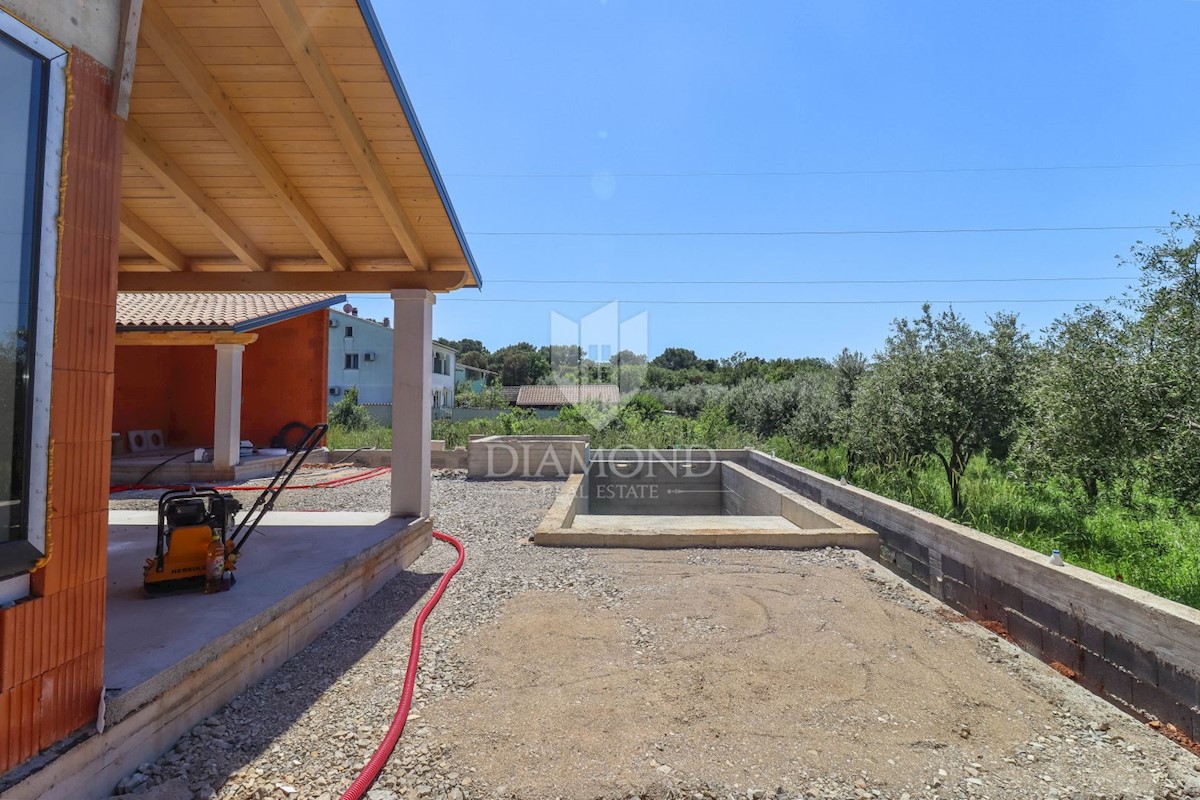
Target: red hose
(329,484)
(371,771)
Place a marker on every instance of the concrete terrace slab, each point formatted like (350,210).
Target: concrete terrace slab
(150,641)
(172,661)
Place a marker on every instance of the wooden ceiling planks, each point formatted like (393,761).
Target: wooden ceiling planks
(255,152)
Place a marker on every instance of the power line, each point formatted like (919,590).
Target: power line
(822,172)
(846,282)
(868,232)
(454,299)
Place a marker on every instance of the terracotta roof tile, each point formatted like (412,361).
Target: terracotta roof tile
(568,394)
(233,311)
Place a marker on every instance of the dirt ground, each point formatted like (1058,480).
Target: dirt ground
(755,670)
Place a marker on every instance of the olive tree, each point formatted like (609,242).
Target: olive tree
(1081,391)
(942,389)
(1167,334)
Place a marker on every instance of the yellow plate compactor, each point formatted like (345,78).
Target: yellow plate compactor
(198,543)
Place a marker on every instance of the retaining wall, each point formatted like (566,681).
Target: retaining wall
(1139,651)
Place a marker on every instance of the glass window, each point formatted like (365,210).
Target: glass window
(23,94)
(349,331)
(351,360)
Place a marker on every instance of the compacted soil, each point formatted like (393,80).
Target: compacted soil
(666,674)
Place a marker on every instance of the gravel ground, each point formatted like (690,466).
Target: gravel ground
(495,715)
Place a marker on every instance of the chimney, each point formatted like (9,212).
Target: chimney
(387,322)
(354,311)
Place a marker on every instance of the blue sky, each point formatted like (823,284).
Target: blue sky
(606,92)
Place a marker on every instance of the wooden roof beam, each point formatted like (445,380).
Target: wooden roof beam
(131,15)
(160,166)
(292,29)
(151,241)
(176,338)
(342,282)
(281,264)
(183,63)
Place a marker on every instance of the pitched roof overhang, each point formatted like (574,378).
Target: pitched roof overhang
(234,312)
(271,146)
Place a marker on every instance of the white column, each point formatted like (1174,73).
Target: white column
(227,421)
(412,389)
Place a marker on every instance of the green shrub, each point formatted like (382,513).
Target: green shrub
(348,415)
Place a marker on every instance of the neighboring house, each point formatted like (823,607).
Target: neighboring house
(137,157)
(360,355)
(476,378)
(554,396)
(443,379)
(172,359)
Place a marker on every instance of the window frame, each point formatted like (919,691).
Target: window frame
(351,359)
(17,558)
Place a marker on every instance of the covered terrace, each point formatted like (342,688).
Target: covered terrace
(206,371)
(269,147)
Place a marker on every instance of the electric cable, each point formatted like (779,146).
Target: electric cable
(821,172)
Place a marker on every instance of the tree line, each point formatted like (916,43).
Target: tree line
(1106,398)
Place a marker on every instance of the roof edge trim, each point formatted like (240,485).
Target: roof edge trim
(280,316)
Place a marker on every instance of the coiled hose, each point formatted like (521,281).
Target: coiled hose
(371,771)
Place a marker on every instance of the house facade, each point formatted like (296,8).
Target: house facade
(138,157)
(443,379)
(360,356)
(475,378)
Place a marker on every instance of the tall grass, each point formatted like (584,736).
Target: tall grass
(340,438)
(1151,543)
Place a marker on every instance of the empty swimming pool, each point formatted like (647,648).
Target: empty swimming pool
(688,498)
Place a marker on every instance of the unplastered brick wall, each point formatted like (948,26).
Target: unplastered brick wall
(1139,651)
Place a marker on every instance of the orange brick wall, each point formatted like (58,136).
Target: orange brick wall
(51,646)
(284,378)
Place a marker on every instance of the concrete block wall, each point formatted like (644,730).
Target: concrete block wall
(515,457)
(1139,651)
